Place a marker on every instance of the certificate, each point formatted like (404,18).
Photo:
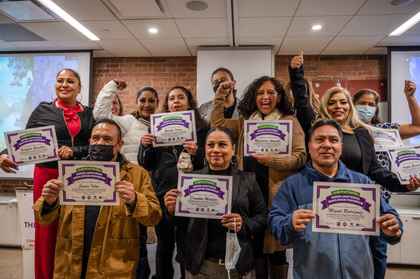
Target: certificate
(173,128)
(346,208)
(385,139)
(89,182)
(203,196)
(405,161)
(268,137)
(30,146)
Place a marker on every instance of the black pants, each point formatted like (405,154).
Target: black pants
(165,232)
(143,268)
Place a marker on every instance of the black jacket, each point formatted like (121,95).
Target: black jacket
(247,200)
(48,114)
(302,105)
(162,162)
(370,165)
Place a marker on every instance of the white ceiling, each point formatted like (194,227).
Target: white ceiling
(349,26)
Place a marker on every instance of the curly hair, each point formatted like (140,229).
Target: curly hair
(192,105)
(248,105)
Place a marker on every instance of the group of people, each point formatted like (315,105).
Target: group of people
(271,195)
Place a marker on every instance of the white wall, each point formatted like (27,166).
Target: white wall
(246,65)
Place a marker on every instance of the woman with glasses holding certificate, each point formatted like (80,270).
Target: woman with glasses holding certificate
(210,247)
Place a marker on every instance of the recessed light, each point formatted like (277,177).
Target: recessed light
(316,27)
(153,30)
(196,5)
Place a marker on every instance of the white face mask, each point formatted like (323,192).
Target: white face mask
(184,162)
(365,112)
(233,250)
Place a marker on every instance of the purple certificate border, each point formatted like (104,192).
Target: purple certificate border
(287,124)
(189,114)
(184,211)
(393,157)
(50,158)
(367,189)
(63,172)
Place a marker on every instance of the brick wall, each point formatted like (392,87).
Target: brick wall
(353,72)
(160,73)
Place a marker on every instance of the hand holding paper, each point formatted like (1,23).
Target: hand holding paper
(51,190)
(170,200)
(7,165)
(126,191)
(301,218)
(389,225)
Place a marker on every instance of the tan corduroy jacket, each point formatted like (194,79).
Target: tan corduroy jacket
(279,168)
(115,245)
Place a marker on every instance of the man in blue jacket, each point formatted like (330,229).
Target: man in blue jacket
(325,255)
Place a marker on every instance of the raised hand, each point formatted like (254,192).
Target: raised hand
(121,84)
(409,88)
(297,61)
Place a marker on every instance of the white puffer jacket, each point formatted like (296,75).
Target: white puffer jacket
(132,129)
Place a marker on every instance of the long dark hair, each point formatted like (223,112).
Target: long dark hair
(362,92)
(247,106)
(192,105)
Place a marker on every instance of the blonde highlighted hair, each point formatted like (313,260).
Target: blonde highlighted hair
(352,120)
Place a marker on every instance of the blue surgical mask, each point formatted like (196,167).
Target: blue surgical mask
(366,113)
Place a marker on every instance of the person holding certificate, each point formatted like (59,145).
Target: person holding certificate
(133,126)
(322,255)
(204,241)
(73,123)
(264,99)
(359,155)
(366,102)
(163,162)
(101,241)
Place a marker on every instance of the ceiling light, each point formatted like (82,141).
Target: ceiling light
(316,27)
(69,19)
(153,30)
(197,5)
(401,2)
(406,25)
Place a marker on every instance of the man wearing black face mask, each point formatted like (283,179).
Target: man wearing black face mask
(101,241)
(217,77)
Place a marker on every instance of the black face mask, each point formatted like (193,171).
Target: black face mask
(101,152)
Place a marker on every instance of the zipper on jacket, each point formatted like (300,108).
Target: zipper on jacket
(339,257)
